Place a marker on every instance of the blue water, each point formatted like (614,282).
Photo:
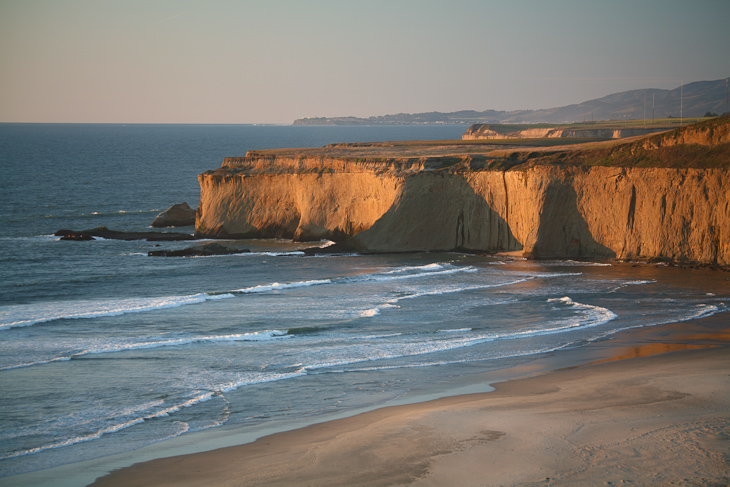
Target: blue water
(104,349)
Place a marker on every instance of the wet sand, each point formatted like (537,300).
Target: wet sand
(650,409)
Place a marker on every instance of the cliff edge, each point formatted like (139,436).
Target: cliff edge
(663,196)
(481,131)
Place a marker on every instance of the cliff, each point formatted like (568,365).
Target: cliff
(376,197)
(609,131)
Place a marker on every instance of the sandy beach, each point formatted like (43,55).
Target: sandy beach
(649,410)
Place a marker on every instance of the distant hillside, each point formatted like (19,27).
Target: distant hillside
(695,99)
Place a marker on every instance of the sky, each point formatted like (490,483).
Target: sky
(273,61)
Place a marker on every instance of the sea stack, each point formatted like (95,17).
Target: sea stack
(179,215)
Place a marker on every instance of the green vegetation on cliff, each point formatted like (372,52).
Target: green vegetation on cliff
(701,145)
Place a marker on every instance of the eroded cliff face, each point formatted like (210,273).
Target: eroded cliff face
(629,213)
(291,202)
(546,211)
(485,132)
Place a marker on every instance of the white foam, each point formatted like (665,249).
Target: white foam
(395,275)
(98,213)
(623,284)
(277,254)
(373,337)
(240,337)
(413,345)
(369,313)
(429,267)
(121,346)
(495,356)
(593,316)
(636,283)
(558,274)
(113,428)
(259,379)
(565,300)
(31,314)
(276,286)
(579,263)
(475,287)
(700,311)
(251,254)
(39,362)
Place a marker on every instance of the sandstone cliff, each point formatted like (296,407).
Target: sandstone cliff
(444,203)
(489,132)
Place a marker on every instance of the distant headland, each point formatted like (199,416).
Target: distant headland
(693,100)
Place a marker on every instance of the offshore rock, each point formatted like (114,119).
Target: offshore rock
(104,232)
(204,250)
(179,215)
(75,236)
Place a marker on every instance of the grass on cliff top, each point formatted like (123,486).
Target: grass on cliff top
(633,153)
(419,148)
(678,156)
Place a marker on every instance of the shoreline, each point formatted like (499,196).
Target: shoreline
(670,343)
(703,340)
(639,414)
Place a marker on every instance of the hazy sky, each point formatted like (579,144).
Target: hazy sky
(272,61)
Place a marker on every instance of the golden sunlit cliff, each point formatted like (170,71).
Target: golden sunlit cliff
(659,197)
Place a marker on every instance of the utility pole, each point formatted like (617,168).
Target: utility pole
(681,114)
(644,108)
(652,108)
(726,96)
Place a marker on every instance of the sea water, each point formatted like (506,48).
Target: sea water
(105,350)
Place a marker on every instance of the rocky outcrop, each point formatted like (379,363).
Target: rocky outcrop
(104,232)
(203,250)
(546,210)
(179,215)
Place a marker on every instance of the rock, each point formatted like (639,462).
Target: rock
(179,215)
(104,232)
(198,251)
(71,235)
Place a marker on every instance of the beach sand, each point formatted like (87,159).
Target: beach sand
(653,409)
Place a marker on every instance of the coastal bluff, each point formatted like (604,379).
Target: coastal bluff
(495,131)
(659,197)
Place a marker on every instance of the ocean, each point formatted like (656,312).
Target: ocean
(105,350)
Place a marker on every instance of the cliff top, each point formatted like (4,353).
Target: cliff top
(510,129)
(701,145)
